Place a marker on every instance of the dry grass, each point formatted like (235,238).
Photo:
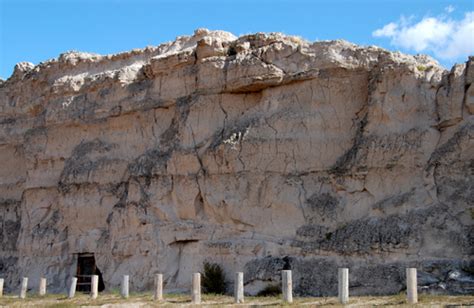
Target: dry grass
(173,300)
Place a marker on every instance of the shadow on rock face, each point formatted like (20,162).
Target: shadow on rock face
(318,276)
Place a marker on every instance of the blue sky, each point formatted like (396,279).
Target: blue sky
(37,30)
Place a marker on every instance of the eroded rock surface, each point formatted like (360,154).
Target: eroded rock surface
(260,153)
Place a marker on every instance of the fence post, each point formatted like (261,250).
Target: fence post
(42,287)
(94,286)
(239,288)
(1,286)
(343,285)
(24,287)
(412,292)
(72,287)
(158,287)
(287,287)
(196,295)
(124,290)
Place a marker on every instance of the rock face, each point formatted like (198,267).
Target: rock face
(260,153)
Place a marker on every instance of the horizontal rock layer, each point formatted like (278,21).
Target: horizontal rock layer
(260,153)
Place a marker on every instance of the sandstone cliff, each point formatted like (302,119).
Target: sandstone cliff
(260,153)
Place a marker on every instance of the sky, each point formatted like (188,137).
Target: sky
(38,30)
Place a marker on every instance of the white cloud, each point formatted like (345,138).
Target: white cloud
(446,38)
(387,30)
(449,9)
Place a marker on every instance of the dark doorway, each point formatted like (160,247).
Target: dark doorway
(86,267)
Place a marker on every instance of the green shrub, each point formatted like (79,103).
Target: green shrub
(270,290)
(421,68)
(213,279)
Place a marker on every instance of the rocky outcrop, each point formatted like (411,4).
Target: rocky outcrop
(260,153)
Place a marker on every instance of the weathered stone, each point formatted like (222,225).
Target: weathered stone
(263,153)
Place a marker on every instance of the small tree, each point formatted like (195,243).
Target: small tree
(213,279)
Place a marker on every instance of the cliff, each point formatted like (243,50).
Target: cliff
(260,153)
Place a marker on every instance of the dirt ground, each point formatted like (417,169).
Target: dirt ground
(178,300)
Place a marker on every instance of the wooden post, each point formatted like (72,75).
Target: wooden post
(24,287)
(412,292)
(239,288)
(287,287)
(94,286)
(1,286)
(196,295)
(343,285)
(42,287)
(72,287)
(158,296)
(124,290)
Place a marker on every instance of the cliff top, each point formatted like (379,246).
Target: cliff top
(218,43)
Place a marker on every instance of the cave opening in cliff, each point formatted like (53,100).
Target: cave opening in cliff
(86,267)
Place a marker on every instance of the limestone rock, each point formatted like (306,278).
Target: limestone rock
(261,153)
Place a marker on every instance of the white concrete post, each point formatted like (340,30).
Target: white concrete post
(1,287)
(94,286)
(24,287)
(72,287)
(239,288)
(42,287)
(158,296)
(196,295)
(343,285)
(287,287)
(124,290)
(412,292)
